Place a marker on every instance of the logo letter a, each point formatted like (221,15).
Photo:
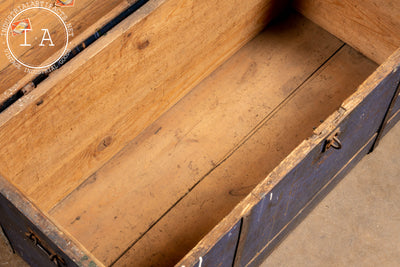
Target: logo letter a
(46,31)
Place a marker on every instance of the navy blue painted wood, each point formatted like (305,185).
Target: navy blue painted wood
(391,112)
(16,226)
(392,122)
(298,187)
(222,254)
(393,116)
(311,205)
(396,107)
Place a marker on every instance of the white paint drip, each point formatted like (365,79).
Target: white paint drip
(200,261)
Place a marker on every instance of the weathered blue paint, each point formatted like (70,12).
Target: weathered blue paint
(396,107)
(392,122)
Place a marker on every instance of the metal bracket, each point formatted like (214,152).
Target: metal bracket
(386,118)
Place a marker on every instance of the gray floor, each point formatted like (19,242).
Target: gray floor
(357,224)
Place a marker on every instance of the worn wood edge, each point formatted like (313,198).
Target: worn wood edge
(75,42)
(59,236)
(79,60)
(392,64)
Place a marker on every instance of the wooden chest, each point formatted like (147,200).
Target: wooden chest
(191,133)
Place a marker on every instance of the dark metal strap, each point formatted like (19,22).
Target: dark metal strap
(386,118)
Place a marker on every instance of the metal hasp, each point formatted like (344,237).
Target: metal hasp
(333,141)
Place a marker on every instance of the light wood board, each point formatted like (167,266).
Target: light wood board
(80,117)
(370,26)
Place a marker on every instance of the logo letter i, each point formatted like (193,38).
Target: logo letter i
(25,44)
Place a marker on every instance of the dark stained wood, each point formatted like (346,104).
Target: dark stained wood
(18,218)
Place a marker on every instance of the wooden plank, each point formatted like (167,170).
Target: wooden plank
(370,26)
(86,17)
(79,118)
(268,249)
(245,207)
(295,189)
(218,193)
(19,216)
(180,148)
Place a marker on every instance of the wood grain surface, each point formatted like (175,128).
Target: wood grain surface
(79,118)
(234,179)
(379,83)
(370,26)
(226,108)
(172,182)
